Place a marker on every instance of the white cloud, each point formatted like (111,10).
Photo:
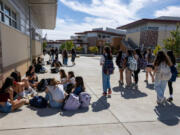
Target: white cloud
(169,11)
(105,13)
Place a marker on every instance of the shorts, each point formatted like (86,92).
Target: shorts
(150,66)
(6,108)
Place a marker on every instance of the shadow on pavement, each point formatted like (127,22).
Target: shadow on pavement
(129,93)
(44,112)
(150,86)
(168,114)
(100,104)
(71,113)
(3,115)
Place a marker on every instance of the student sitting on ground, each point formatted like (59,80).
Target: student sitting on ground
(7,104)
(79,85)
(55,94)
(70,82)
(21,87)
(63,78)
(32,77)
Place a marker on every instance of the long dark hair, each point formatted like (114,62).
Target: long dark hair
(62,74)
(8,83)
(172,57)
(107,50)
(16,75)
(65,53)
(138,52)
(71,74)
(73,51)
(162,57)
(119,55)
(129,53)
(80,82)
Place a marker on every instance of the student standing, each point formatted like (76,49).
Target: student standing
(119,63)
(73,56)
(107,69)
(174,74)
(162,75)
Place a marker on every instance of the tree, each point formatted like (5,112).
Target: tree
(93,49)
(67,45)
(173,42)
(157,49)
(44,45)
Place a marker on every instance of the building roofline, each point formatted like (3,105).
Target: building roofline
(139,22)
(99,31)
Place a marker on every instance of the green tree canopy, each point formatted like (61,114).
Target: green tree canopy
(173,42)
(67,45)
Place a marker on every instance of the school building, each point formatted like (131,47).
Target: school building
(21,24)
(147,33)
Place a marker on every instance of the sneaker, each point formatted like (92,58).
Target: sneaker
(110,92)
(104,94)
(170,99)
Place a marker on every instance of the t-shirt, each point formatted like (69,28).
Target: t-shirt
(57,92)
(102,60)
(63,80)
(72,80)
(78,90)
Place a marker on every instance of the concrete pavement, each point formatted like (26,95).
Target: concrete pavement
(127,112)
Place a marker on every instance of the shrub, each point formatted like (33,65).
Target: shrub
(93,49)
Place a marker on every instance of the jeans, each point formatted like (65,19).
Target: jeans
(65,61)
(52,57)
(6,108)
(136,73)
(52,103)
(170,87)
(106,82)
(160,86)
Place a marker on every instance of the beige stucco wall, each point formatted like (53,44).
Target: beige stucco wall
(36,48)
(135,36)
(162,35)
(15,45)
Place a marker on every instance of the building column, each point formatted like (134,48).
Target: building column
(1,61)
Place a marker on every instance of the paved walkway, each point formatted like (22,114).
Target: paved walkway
(127,112)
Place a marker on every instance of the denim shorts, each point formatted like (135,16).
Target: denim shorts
(6,108)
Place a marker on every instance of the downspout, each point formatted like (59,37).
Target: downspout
(30,34)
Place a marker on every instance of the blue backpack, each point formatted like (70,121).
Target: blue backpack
(38,102)
(108,67)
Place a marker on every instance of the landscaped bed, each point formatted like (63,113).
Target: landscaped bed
(178,68)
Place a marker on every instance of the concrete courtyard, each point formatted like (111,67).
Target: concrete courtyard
(127,112)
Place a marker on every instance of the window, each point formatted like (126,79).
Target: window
(8,16)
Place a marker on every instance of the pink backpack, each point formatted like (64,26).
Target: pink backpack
(72,103)
(85,99)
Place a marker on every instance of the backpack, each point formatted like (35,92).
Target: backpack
(85,99)
(132,64)
(49,62)
(164,72)
(39,102)
(108,67)
(72,103)
(142,63)
(41,87)
(54,70)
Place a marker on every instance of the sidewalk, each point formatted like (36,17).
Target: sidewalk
(127,112)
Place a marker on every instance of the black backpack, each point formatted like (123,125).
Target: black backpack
(54,70)
(38,102)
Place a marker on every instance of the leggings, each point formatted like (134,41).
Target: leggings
(170,87)
(136,73)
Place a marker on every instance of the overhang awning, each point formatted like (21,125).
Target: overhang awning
(44,12)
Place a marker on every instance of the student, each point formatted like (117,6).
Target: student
(56,54)
(65,57)
(63,78)
(73,56)
(71,78)
(32,77)
(149,69)
(174,74)
(162,75)
(128,72)
(79,86)
(119,63)
(7,103)
(107,57)
(137,56)
(55,94)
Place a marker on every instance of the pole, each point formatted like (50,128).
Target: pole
(30,34)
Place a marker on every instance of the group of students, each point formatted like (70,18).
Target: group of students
(54,53)
(16,92)
(161,68)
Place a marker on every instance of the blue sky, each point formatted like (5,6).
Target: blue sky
(80,15)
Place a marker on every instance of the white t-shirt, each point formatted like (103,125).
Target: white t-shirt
(57,92)
(72,80)
(102,60)
(64,80)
